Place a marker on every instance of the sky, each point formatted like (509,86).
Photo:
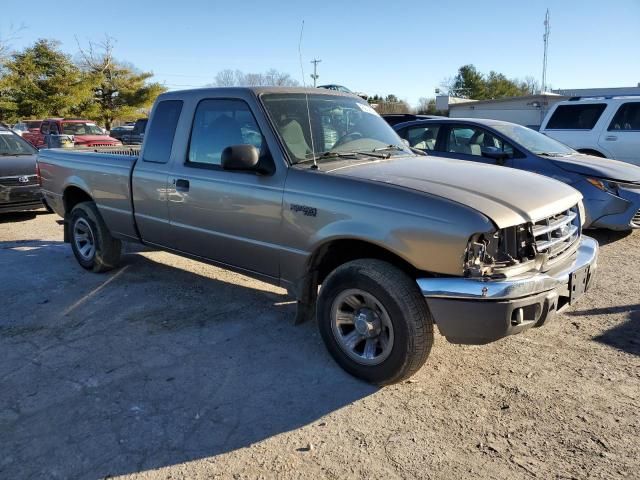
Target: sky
(407,48)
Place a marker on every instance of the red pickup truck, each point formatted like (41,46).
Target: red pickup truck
(85,133)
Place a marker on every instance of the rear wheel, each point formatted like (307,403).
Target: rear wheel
(92,244)
(374,321)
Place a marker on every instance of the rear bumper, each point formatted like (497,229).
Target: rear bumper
(473,311)
(17,199)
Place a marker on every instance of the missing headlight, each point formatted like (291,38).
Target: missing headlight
(491,254)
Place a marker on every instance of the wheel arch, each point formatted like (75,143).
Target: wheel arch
(331,254)
(72,195)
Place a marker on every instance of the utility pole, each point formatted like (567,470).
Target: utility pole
(545,37)
(315,75)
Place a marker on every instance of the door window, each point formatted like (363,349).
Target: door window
(475,141)
(576,117)
(45,128)
(422,137)
(626,118)
(219,124)
(54,129)
(159,142)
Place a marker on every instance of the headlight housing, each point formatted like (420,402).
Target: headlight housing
(604,185)
(492,253)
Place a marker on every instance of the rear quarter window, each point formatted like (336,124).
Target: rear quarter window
(576,117)
(159,141)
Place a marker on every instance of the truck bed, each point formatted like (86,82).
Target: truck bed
(103,173)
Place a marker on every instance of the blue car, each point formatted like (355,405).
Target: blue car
(611,189)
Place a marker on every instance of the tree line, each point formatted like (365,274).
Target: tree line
(43,81)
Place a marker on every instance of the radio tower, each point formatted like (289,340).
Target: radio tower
(545,37)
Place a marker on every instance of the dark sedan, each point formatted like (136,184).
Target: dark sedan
(611,189)
(19,189)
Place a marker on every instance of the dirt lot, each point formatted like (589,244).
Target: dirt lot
(168,368)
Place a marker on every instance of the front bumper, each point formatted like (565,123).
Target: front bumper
(476,311)
(616,212)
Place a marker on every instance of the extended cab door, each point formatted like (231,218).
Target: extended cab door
(149,179)
(622,135)
(231,217)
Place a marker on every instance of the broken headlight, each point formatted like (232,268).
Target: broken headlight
(497,253)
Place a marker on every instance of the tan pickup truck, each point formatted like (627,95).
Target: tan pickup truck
(312,190)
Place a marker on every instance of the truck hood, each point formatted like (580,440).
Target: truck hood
(597,167)
(20,165)
(81,139)
(505,195)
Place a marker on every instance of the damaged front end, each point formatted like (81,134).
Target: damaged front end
(531,246)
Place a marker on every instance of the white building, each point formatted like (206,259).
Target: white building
(528,111)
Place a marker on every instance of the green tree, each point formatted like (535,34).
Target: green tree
(470,83)
(40,81)
(119,91)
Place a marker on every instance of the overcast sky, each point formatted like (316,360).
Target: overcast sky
(403,47)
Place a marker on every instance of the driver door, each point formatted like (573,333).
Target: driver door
(472,143)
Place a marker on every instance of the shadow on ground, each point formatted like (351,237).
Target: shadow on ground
(625,336)
(159,366)
(605,237)
(15,217)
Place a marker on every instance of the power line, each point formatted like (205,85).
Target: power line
(315,75)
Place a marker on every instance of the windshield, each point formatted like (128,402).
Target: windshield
(534,141)
(11,144)
(81,128)
(340,125)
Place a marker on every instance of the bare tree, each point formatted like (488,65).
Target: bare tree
(12,34)
(225,78)
(237,78)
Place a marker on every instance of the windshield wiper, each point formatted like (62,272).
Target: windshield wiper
(388,147)
(329,155)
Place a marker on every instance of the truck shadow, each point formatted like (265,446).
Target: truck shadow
(625,336)
(149,366)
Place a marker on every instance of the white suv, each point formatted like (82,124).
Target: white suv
(606,127)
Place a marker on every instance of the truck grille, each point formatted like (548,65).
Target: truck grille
(635,221)
(557,234)
(16,181)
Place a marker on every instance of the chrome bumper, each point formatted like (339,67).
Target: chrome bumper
(512,288)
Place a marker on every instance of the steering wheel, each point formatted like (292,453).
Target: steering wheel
(348,138)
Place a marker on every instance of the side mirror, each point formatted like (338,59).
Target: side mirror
(241,158)
(497,154)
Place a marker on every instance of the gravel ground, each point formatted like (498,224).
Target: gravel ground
(168,368)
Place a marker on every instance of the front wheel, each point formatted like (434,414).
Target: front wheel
(374,321)
(92,244)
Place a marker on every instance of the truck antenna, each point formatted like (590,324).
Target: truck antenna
(306,96)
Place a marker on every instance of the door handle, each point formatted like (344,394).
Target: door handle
(181,185)
(611,138)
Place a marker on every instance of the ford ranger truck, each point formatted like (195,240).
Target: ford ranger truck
(313,191)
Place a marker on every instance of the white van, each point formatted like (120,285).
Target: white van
(606,126)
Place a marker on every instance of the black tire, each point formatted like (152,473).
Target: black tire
(405,307)
(105,254)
